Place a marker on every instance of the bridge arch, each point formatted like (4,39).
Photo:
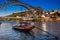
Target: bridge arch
(17,3)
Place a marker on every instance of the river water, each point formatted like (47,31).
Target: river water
(44,31)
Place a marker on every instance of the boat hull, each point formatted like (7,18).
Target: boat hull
(21,29)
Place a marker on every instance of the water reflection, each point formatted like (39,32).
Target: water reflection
(7,33)
(29,36)
(26,35)
(44,26)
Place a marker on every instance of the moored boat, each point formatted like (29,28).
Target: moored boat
(23,27)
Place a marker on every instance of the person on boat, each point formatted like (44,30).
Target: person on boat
(17,24)
(32,23)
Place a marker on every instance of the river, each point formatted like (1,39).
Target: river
(44,31)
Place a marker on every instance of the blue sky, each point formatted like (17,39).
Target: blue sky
(45,4)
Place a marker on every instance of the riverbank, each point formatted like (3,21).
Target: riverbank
(48,19)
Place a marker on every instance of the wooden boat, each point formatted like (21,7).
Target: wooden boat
(23,28)
(26,28)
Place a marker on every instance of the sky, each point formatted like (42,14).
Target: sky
(44,4)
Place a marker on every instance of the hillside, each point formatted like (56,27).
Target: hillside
(17,14)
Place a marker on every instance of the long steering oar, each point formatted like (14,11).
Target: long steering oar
(47,32)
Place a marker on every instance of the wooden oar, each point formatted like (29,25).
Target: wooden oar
(47,32)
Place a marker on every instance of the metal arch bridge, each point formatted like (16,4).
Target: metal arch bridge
(17,3)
